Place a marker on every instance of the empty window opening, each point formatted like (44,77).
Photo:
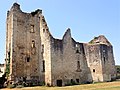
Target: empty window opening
(93,70)
(33,43)
(32,28)
(9,54)
(42,48)
(35,70)
(59,83)
(77,80)
(43,20)
(77,51)
(43,30)
(104,59)
(76,45)
(45,25)
(28,59)
(24,79)
(43,62)
(39,18)
(78,65)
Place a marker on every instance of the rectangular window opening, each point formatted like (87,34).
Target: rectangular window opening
(32,29)
(42,48)
(43,30)
(43,20)
(33,43)
(78,65)
(104,59)
(28,59)
(43,62)
(77,80)
(77,51)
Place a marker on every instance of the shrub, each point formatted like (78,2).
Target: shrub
(118,77)
(26,85)
(48,85)
(19,86)
(74,83)
(7,71)
(68,84)
(42,83)
(11,86)
(71,83)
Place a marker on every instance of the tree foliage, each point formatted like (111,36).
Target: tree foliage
(118,69)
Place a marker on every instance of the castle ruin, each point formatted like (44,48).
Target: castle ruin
(34,54)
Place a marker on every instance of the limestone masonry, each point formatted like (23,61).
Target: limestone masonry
(35,55)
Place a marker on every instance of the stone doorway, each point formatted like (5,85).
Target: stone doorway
(59,83)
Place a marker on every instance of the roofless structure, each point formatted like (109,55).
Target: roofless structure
(33,54)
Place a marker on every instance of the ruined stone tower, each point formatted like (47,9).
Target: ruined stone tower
(33,54)
(23,44)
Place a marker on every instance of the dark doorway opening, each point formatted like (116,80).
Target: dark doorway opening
(59,83)
(24,79)
(93,70)
(77,80)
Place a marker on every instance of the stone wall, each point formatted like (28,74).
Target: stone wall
(100,59)
(94,62)
(68,61)
(46,51)
(36,55)
(24,44)
(108,63)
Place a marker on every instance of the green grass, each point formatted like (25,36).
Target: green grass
(97,86)
(109,88)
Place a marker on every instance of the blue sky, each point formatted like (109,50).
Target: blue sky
(86,18)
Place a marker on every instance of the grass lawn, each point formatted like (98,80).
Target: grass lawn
(97,86)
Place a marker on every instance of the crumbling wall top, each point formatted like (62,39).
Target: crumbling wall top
(37,11)
(100,40)
(15,6)
(67,33)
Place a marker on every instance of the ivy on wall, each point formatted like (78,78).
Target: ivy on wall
(7,71)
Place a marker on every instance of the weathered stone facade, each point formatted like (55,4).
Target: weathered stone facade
(36,55)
